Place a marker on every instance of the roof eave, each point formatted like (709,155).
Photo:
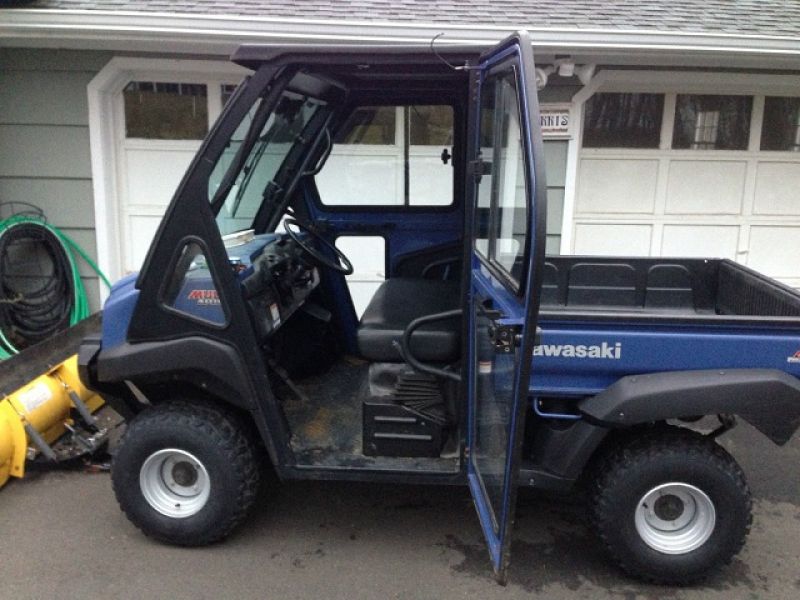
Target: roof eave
(222,34)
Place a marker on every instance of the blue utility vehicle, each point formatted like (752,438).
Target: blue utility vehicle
(237,351)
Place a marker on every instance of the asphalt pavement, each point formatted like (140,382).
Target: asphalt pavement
(63,536)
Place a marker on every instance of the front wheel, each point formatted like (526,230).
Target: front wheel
(186,473)
(670,506)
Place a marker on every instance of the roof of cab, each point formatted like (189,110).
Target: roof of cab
(253,56)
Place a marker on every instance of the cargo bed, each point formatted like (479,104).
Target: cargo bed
(664,289)
(606,318)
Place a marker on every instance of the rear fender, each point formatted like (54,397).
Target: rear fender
(768,399)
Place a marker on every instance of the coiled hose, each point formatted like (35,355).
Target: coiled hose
(35,306)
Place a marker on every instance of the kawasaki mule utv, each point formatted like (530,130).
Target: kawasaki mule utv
(237,350)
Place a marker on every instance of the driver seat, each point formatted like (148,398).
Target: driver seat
(397,303)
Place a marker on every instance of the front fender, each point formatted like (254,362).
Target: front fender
(206,363)
(768,399)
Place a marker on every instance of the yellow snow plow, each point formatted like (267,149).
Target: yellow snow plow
(49,417)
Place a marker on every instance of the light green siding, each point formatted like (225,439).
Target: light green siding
(44,139)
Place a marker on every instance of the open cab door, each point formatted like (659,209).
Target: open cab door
(506,258)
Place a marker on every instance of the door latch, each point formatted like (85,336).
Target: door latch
(505,338)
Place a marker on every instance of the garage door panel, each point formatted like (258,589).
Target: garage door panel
(617,186)
(705,187)
(700,241)
(612,239)
(153,175)
(777,188)
(141,230)
(774,250)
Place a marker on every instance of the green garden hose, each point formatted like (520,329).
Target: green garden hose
(79,309)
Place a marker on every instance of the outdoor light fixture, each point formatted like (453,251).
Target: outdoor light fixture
(566,68)
(542,75)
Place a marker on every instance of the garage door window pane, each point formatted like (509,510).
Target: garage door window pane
(712,122)
(623,121)
(226,91)
(165,111)
(781,129)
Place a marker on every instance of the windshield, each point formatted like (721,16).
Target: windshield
(257,171)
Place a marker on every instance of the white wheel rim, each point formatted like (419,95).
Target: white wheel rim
(175,483)
(675,518)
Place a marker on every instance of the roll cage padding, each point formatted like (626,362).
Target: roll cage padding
(768,399)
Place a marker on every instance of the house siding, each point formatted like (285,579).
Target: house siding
(44,140)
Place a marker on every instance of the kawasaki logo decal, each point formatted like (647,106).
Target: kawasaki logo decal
(604,350)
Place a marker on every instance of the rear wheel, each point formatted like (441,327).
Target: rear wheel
(671,506)
(186,473)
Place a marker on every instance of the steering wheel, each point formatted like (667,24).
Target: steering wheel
(340,264)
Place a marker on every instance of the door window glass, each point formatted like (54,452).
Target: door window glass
(704,122)
(165,111)
(391,156)
(369,125)
(191,289)
(502,237)
(502,188)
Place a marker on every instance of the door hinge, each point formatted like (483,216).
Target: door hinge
(478,168)
(506,337)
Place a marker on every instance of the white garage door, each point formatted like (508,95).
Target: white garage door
(161,127)
(691,175)
(164,123)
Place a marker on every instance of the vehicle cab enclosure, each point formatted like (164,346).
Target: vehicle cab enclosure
(353,270)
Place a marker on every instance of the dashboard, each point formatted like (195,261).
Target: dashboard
(275,274)
(276,282)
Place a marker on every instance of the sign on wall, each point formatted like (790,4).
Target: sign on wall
(554,120)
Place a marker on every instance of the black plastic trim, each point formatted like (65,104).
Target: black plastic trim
(220,370)
(768,399)
(564,452)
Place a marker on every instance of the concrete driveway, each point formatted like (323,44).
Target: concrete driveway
(63,536)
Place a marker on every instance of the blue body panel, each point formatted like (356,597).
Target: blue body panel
(631,348)
(118,310)
(405,232)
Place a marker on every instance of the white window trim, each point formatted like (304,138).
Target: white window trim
(669,83)
(104,98)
